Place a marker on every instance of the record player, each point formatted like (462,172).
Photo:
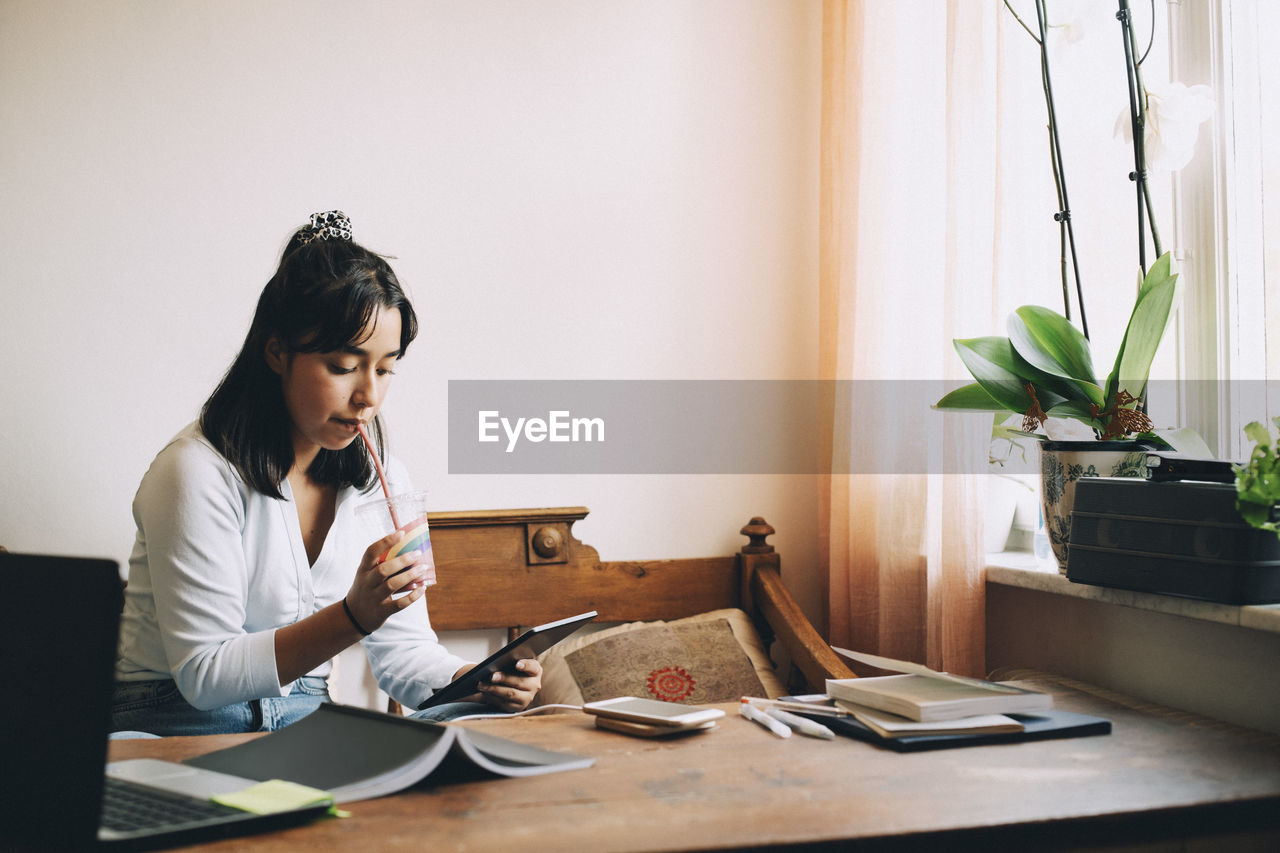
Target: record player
(1178,537)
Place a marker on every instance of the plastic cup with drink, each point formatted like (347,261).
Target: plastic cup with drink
(383,516)
(406,512)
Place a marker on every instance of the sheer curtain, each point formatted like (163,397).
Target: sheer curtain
(910,177)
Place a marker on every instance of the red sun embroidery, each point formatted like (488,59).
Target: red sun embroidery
(671,684)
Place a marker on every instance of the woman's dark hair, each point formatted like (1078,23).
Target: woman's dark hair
(321,299)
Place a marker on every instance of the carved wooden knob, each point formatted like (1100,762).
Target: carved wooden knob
(757,529)
(547,542)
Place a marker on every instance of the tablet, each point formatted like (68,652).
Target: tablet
(530,644)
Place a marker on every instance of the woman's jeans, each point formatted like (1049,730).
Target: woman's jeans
(156,707)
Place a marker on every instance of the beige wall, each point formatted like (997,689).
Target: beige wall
(571,189)
(1218,670)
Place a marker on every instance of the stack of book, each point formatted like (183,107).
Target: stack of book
(923,709)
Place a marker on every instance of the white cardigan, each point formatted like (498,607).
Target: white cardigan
(217,567)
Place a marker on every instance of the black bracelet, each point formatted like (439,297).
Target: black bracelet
(356,624)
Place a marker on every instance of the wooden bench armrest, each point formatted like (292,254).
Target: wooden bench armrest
(806,648)
(766,595)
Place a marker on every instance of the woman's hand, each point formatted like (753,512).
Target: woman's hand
(370,597)
(513,691)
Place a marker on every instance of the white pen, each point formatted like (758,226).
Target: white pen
(800,724)
(807,707)
(755,715)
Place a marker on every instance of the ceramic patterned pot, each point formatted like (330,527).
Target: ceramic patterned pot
(1063,463)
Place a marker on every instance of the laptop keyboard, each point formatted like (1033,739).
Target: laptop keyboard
(128,807)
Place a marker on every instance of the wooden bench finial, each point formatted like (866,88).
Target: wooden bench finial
(757,529)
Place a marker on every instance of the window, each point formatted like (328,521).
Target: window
(1220,214)
(1228,214)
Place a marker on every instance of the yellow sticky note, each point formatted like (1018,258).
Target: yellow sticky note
(274,795)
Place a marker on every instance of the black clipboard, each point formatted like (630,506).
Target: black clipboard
(1042,725)
(530,644)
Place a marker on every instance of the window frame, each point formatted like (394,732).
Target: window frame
(1218,220)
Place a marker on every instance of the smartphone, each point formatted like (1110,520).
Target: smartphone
(648,730)
(636,710)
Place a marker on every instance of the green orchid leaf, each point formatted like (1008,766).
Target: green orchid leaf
(1004,375)
(1184,440)
(991,361)
(1154,440)
(1072,409)
(1056,354)
(1071,389)
(1014,434)
(1147,326)
(1162,269)
(972,397)
(1049,342)
(1157,299)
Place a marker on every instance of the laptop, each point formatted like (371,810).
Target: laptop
(59,619)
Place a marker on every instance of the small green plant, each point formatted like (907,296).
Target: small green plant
(1258,480)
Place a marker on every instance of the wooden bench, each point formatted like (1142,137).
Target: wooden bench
(514,568)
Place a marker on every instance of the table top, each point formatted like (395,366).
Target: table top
(1159,774)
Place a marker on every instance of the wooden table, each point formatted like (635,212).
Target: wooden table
(1159,775)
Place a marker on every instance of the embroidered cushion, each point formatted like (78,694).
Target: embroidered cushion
(712,657)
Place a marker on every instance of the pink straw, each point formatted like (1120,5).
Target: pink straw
(382,477)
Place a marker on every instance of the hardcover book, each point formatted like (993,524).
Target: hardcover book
(892,725)
(924,695)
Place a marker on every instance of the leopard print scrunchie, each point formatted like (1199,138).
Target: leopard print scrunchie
(330,225)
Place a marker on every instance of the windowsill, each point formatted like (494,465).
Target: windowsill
(1020,569)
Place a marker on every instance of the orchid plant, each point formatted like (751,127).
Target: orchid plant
(1044,368)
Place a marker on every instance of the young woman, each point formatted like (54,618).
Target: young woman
(249,571)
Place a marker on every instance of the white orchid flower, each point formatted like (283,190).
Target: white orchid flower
(1174,115)
(1074,20)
